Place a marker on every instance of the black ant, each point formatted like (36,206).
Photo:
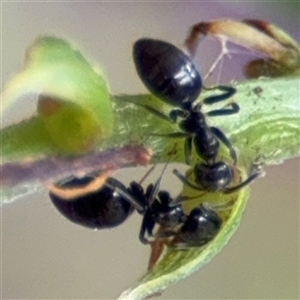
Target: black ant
(170,75)
(216,178)
(196,229)
(98,209)
(113,203)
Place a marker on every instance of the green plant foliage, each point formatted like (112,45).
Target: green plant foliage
(80,113)
(29,138)
(76,103)
(267,129)
(267,126)
(178,264)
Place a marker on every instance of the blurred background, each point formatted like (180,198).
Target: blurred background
(46,257)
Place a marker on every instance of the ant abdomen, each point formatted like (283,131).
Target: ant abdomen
(167,72)
(98,210)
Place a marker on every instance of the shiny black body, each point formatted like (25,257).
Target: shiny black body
(193,230)
(201,226)
(113,204)
(215,178)
(97,210)
(167,72)
(170,75)
(196,129)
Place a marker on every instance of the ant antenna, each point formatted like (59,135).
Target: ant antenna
(183,179)
(124,192)
(180,199)
(156,186)
(126,195)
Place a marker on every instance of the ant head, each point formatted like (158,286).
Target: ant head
(213,178)
(201,226)
(167,72)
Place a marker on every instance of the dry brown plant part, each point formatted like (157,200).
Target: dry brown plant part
(280,52)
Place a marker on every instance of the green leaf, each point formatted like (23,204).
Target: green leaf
(29,138)
(177,264)
(267,127)
(75,110)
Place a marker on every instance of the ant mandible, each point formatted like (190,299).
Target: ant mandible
(171,76)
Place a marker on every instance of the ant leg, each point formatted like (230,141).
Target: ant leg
(222,137)
(180,199)
(113,184)
(185,181)
(224,111)
(173,115)
(170,135)
(147,225)
(228,92)
(242,184)
(188,150)
(165,199)
(154,190)
(157,113)
(142,238)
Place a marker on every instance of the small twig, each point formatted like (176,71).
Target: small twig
(51,168)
